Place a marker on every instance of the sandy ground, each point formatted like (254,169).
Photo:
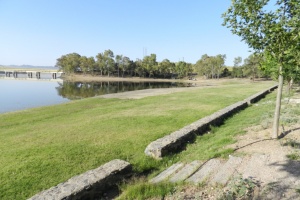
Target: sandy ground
(277,175)
(138,94)
(198,80)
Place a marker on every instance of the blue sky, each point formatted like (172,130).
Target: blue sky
(37,32)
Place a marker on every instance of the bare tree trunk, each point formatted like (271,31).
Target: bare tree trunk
(275,132)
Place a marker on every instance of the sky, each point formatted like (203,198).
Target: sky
(37,32)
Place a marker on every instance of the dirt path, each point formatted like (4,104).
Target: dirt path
(277,174)
(138,94)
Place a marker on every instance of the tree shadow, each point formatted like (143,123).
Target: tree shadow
(293,176)
(285,133)
(275,191)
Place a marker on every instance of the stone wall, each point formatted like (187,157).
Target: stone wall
(177,140)
(89,185)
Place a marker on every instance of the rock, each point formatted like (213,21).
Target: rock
(90,184)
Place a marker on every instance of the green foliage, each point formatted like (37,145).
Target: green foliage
(291,143)
(210,66)
(108,64)
(293,156)
(149,64)
(69,63)
(237,61)
(274,30)
(240,188)
(251,66)
(143,190)
(237,72)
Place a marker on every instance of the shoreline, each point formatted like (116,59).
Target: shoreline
(89,78)
(76,77)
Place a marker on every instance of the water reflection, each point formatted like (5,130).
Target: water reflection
(78,90)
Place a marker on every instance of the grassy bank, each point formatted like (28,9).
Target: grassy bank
(44,146)
(258,116)
(207,146)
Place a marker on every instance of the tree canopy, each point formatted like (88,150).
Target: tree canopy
(106,63)
(211,66)
(273,29)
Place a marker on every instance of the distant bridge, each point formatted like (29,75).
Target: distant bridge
(30,73)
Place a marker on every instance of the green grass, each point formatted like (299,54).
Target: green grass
(293,156)
(45,146)
(214,143)
(141,189)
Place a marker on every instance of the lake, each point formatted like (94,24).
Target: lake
(18,94)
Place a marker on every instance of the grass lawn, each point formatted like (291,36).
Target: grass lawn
(214,144)
(210,145)
(45,146)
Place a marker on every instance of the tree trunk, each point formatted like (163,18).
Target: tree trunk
(290,85)
(275,132)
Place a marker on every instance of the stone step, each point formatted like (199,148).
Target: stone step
(226,171)
(259,167)
(205,171)
(167,173)
(186,171)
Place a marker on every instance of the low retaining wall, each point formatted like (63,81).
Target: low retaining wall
(89,185)
(177,140)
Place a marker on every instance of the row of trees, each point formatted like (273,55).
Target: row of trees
(108,64)
(252,67)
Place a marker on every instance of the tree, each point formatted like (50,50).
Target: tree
(202,66)
(109,62)
(100,63)
(119,63)
(237,70)
(138,68)
(210,66)
(166,67)
(220,61)
(252,66)
(274,30)
(237,61)
(149,63)
(87,64)
(183,69)
(105,62)
(291,71)
(126,64)
(69,63)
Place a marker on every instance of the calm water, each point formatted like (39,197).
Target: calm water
(23,94)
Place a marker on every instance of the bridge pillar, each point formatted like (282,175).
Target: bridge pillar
(38,75)
(29,74)
(54,75)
